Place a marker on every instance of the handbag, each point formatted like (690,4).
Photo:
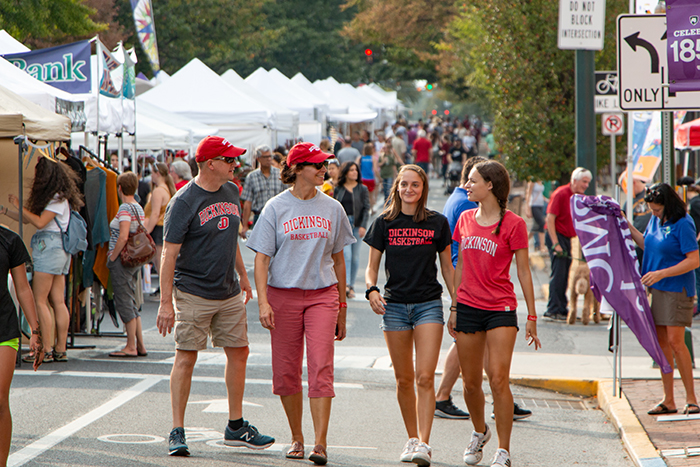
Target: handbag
(140,248)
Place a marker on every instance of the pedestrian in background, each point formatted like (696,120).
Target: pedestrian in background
(670,258)
(300,280)
(412,236)
(52,196)
(202,260)
(354,197)
(560,231)
(535,203)
(368,173)
(163,189)
(388,164)
(181,173)
(482,315)
(261,185)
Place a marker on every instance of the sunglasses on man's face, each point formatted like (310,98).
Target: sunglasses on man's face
(317,165)
(228,160)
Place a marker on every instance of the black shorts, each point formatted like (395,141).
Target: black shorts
(157,234)
(471,320)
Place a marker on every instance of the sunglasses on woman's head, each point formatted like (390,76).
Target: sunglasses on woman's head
(651,193)
(318,165)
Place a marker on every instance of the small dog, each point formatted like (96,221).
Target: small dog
(580,284)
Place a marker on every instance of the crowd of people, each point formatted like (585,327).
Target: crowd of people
(304,213)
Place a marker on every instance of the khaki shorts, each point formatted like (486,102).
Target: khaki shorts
(196,318)
(672,308)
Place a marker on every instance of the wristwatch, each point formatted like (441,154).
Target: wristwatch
(370,290)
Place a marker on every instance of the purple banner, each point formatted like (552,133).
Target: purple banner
(683,34)
(64,67)
(608,248)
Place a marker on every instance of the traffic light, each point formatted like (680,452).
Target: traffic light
(434,112)
(429,87)
(368,55)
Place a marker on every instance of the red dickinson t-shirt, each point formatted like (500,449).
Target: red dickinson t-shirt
(486,260)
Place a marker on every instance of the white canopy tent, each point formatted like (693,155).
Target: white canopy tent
(10,45)
(197,92)
(285,122)
(333,106)
(357,111)
(196,130)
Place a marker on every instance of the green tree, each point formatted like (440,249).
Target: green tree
(41,23)
(508,50)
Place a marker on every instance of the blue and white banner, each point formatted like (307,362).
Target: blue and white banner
(65,67)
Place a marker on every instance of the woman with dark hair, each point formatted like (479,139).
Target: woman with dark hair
(482,316)
(412,237)
(163,189)
(53,194)
(355,200)
(13,256)
(300,280)
(670,258)
(125,280)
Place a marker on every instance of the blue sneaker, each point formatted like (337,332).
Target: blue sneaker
(178,446)
(247,436)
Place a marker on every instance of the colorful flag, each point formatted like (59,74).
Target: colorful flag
(107,86)
(128,58)
(608,248)
(65,67)
(683,44)
(146,31)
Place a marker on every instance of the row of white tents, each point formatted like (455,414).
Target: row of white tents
(176,112)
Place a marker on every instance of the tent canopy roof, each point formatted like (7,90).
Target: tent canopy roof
(35,122)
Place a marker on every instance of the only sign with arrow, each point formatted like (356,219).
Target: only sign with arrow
(643,68)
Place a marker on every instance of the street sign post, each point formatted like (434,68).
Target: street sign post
(606,92)
(643,67)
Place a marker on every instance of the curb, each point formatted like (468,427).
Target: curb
(632,433)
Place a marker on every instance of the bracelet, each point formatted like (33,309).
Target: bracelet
(35,332)
(342,305)
(370,290)
(532,317)
(555,245)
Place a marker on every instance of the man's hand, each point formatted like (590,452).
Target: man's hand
(245,287)
(267,316)
(166,318)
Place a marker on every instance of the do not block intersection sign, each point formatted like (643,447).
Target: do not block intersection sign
(643,66)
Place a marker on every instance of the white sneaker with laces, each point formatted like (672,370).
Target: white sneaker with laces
(501,459)
(407,454)
(475,451)
(422,455)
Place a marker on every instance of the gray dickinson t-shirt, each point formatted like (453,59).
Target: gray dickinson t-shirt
(206,225)
(300,236)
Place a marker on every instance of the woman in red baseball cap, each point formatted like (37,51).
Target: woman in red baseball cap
(300,280)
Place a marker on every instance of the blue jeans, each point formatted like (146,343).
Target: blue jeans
(352,255)
(386,184)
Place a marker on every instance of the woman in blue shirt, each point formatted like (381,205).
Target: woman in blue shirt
(670,258)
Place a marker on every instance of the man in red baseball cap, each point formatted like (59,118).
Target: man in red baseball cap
(200,253)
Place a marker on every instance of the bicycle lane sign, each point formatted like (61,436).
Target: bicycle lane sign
(606,92)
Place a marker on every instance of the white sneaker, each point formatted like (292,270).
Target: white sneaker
(407,454)
(422,455)
(474,452)
(501,459)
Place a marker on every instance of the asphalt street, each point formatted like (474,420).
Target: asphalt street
(100,411)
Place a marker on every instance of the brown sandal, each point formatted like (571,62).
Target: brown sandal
(319,456)
(296,451)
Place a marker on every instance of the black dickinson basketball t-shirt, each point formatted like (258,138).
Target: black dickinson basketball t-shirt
(411,253)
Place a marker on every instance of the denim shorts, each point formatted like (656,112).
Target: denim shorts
(406,316)
(48,254)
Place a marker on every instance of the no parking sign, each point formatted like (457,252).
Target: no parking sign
(613,124)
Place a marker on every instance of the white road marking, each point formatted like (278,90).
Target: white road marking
(195,379)
(38,447)
(220,405)
(149,439)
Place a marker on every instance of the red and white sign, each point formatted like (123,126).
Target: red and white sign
(613,124)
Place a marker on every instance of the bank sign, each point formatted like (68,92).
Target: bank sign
(65,67)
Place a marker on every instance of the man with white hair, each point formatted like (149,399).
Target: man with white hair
(560,231)
(422,148)
(261,184)
(181,173)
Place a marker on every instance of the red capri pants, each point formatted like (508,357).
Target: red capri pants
(299,314)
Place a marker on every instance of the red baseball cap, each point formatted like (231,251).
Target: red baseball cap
(215,146)
(306,152)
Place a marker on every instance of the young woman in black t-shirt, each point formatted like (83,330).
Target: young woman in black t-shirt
(13,255)
(411,308)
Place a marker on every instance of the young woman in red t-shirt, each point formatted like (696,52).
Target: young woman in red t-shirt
(482,317)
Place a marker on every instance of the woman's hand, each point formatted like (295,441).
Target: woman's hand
(376,301)
(341,330)
(653,277)
(267,316)
(36,345)
(361,232)
(13,200)
(452,324)
(531,334)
